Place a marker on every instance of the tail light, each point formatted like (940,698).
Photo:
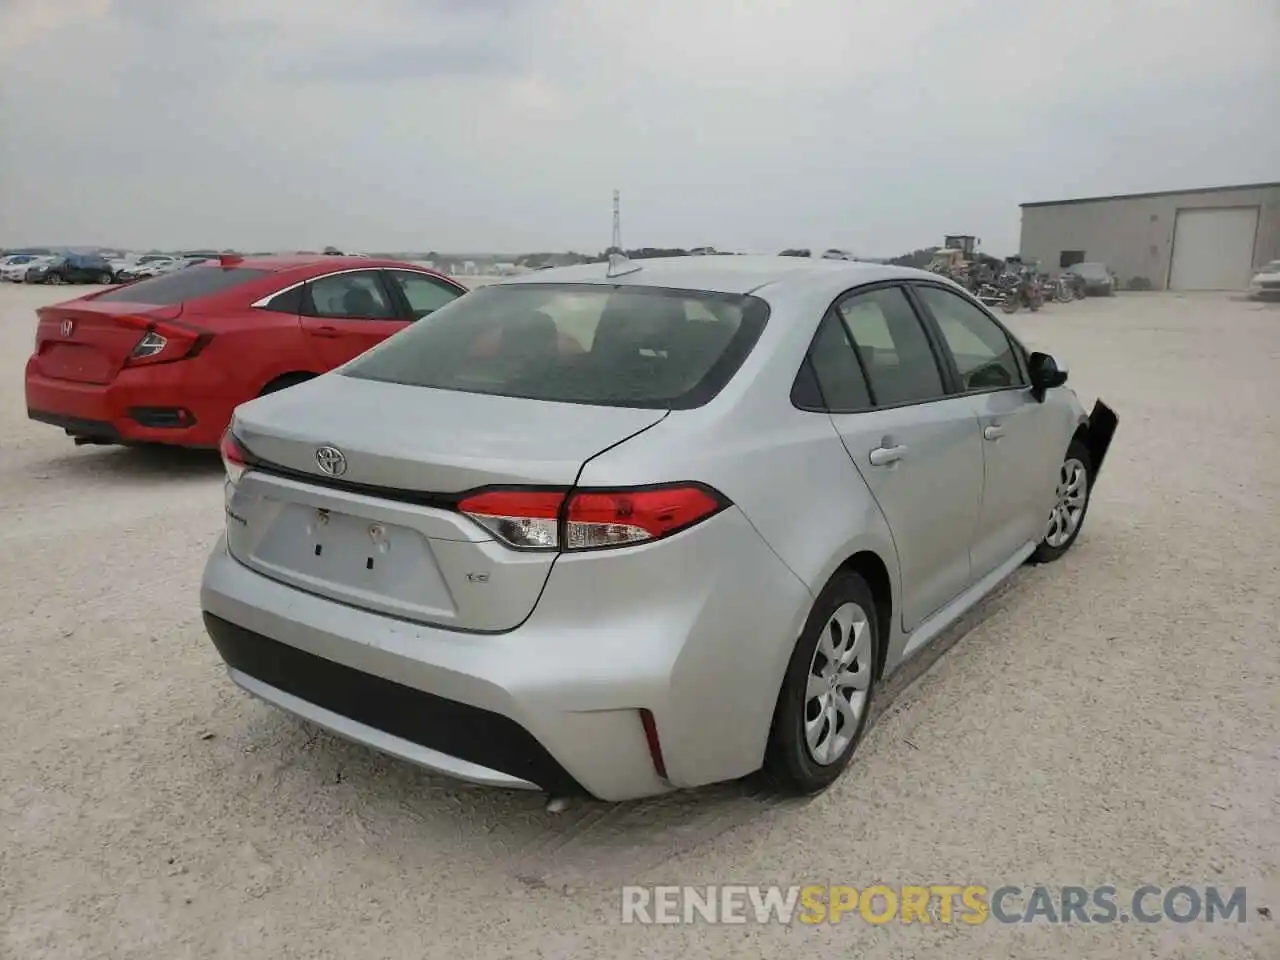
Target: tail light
(591,519)
(234,458)
(165,343)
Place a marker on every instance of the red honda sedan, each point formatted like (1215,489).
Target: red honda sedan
(166,360)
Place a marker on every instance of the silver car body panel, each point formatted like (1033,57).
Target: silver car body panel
(696,628)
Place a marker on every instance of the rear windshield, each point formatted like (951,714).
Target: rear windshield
(575,343)
(171,289)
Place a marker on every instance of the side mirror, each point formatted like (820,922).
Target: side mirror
(1045,374)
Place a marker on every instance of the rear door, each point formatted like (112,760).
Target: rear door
(918,449)
(1020,445)
(344,314)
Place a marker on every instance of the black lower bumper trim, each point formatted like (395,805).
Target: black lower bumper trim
(163,418)
(78,426)
(455,729)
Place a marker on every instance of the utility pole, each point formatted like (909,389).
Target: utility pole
(617,221)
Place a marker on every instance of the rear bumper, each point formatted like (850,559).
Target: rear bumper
(443,735)
(555,703)
(139,406)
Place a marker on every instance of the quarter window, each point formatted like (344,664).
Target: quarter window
(983,354)
(894,348)
(425,293)
(831,378)
(356,295)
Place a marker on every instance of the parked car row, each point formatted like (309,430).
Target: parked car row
(57,268)
(90,268)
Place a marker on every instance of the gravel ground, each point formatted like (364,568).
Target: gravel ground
(1111,719)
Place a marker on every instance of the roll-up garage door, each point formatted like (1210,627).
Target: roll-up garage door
(1213,248)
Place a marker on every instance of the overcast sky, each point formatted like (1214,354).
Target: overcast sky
(504,125)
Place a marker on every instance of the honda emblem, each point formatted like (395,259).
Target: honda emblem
(67,327)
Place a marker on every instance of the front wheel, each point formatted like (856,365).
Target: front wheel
(1070,505)
(825,699)
(104,278)
(1010,303)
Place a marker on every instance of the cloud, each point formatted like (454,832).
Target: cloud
(506,124)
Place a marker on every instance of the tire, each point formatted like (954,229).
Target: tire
(105,278)
(1010,304)
(843,620)
(284,382)
(1054,545)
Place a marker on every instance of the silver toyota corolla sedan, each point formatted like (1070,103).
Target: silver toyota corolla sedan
(632,527)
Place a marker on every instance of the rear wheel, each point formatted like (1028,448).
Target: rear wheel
(104,278)
(285,381)
(825,701)
(1010,303)
(1070,506)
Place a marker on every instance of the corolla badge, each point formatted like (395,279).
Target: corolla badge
(67,327)
(331,461)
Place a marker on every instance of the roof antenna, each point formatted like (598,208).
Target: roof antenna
(619,264)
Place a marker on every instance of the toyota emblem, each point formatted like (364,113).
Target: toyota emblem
(67,327)
(331,461)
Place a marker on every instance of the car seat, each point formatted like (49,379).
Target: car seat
(359,302)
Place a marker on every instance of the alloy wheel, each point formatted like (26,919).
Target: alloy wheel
(1073,495)
(838,684)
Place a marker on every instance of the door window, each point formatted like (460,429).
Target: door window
(894,348)
(983,354)
(831,378)
(356,295)
(424,293)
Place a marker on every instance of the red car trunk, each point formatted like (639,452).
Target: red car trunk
(89,342)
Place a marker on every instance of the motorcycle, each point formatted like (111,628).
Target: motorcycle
(1021,290)
(1074,284)
(1060,290)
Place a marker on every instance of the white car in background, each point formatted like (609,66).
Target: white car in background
(1266,282)
(149,266)
(14,267)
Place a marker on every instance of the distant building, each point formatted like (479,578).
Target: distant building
(1211,238)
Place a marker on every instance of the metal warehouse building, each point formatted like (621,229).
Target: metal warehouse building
(1207,239)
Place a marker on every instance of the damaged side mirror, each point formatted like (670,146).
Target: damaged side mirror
(1045,374)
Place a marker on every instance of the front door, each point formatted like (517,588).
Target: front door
(918,450)
(345,314)
(1020,459)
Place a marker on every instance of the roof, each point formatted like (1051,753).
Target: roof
(296,261)
(1274,185)
(720,274)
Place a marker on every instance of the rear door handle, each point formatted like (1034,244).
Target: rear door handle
(883,456)
(993,432)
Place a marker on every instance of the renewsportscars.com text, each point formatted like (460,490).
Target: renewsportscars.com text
(968,904)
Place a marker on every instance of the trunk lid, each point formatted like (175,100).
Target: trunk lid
(383,536)
(88,342)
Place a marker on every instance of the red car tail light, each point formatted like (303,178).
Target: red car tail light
(591,519)
(164,343)
(234,458)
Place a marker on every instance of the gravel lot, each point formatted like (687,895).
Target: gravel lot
(1111,719)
